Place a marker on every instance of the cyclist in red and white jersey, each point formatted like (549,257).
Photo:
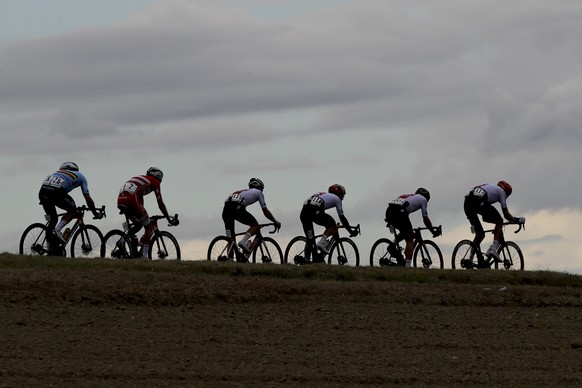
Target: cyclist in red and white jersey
(480,200)
(398,215)
(131,203)
(313,211)
(235,209)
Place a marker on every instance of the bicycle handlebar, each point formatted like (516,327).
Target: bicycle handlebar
(275,229)
(160,217)
(84,208)
(438,229)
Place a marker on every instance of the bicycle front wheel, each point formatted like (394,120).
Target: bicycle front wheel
(164,246)
(344,252)
(428,254)
(116,245)
(295,251)
(462,258)
(34,241)
(268,251)
(511,255)
(87,242)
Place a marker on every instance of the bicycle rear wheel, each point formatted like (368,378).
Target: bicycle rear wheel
(429,255)
(87,242)
(380,254)
(511,255)
(344,252)
(33,241)
(461,257)
(295,251)
(116,245)
(220,249)
(268,251)
(164,246)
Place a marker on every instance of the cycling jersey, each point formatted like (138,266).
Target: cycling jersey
(490,193)
(411,203)
(325,201)
(66,181)
(139,186)
(247,197)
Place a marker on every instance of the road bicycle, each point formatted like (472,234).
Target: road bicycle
(426,253)
(119,244)
(510,255)
(342,250)
(263,249)
(85,239)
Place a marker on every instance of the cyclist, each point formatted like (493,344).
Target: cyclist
(131,203)
(313,211)
(235,209)
(480,200)
(54,193)
(398,215)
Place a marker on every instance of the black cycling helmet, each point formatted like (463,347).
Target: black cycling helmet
(256,183)
(424,192)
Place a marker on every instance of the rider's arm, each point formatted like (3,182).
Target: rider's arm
(91,205)
(428,224)
(270,217)
(508,215)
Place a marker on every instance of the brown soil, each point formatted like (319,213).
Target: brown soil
(112,327)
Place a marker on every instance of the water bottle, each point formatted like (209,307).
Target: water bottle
(392,229)
(66,233)
(472,229)
(125,227)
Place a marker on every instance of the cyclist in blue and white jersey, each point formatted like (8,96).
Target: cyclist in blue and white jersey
(54,193)
(235,210)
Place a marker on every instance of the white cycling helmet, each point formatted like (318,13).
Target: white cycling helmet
(69,166)
(155,172)
(256,183)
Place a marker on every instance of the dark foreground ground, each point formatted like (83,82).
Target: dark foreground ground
(133,325)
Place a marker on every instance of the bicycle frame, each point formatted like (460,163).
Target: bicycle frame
(310,253)
(243,257)
(128,225)
(43,242)
(485,261)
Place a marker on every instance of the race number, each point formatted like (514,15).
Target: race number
(53,181)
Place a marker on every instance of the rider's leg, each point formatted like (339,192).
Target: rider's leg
(329,223)
(491,215)
(147,236)
(409,237)
(246,218)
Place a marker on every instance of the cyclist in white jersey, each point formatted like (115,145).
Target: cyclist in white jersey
(235,210)
(480,200)
(313,211)
(398,215)
(54,193)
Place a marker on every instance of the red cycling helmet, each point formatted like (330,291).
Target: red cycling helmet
(338,190)
(506,187)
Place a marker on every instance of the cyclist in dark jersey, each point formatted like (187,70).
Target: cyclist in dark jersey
(398,215)
(54,192)
(479,201)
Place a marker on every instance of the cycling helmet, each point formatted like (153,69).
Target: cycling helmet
(69,166)
(256,183)
(506,187)
(424,192)
(155,172)
(338,190)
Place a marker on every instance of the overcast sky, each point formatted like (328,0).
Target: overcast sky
(380,96)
